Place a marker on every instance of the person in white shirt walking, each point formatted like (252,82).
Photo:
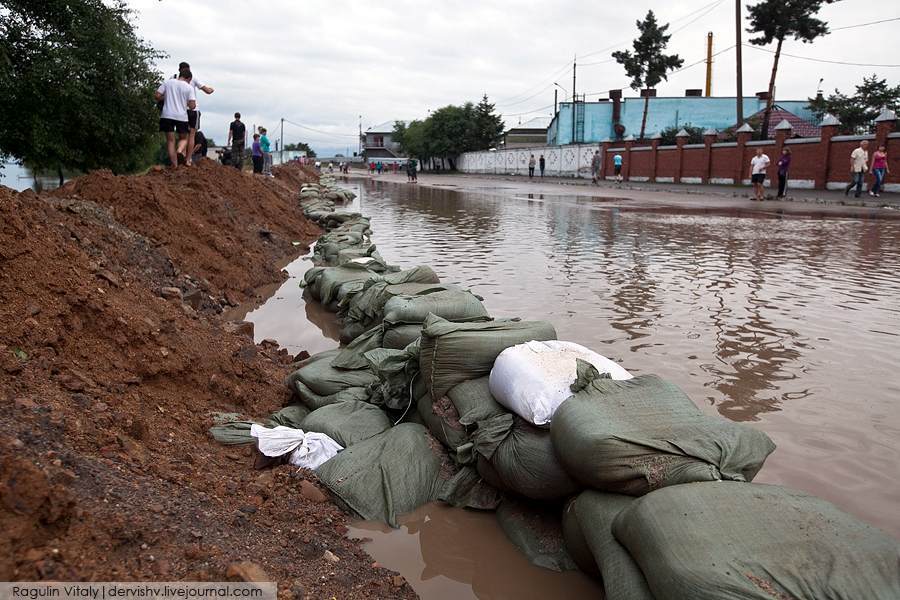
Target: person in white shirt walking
(859,164)
(178,97)
(758,166)
(193,114)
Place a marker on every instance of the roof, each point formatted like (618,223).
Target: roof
(541,123)
(799,127)
(386,127)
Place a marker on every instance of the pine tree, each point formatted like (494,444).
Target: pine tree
(776,20)
(857,112)
(648,65)
(488,126)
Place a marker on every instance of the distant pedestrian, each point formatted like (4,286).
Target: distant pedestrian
(783,164)
(372,167)
(758,166)
(266,150)
(859,164)
(379,166)
(617,167)
(256,155)
(411,173)
(595,166)
(542,163)
(193,114)
(531,164)
(178,97)
(879,169)
(237,138)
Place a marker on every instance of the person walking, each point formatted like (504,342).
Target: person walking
(531,164)
(859,164)
(880,169)
(256,155)
(178,97)
(542,163)
(193,114)
(617,167)
(783,164)
(267,152)
(595,167)
(237,138)
(758,166)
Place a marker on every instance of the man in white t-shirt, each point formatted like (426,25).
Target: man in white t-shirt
(859,164)
(178,97)
(758,166)
(193,115)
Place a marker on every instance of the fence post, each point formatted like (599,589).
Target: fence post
(709,138)
(680,140)
(655,140)
(884,125)
(744,133)
(604,150)
(828,127)
(626,169)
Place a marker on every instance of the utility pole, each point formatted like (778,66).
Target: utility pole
(709,44)
(737,49)
(359,150)
(574,98)
(555,95)
(281,155)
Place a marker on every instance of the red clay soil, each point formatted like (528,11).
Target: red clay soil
(107,471)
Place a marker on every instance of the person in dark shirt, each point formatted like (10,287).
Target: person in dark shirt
(200,146)
(542,163)
(237,136)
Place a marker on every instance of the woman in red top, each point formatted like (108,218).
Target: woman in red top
(879,170)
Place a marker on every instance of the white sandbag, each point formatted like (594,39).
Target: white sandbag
(533,379)
(308,449)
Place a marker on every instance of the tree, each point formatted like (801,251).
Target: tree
(301,146)
(76,86)
(775,20)
(857,112)
(488,127)
(648,64)
(669,135)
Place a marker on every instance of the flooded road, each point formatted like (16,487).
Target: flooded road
(789,324)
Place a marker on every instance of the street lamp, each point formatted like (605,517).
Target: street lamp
(563,89)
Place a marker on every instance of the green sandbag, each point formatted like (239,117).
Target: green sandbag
(442,421)
(335,282)
(352,356)
(467,489)
(395,370)
(635,436)
(474,402)
(453,305)
(592,514)
(400,336)
(515,456)
(230,429)
(316,401)
(367,307)
(321,378)
(537,531)
(290,416)
(576,544)
(708,541)
(387,475)
(347,423)
(455,352)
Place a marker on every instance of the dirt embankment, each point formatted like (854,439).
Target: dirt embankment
(108,381)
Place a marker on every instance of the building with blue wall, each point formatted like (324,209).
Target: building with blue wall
(594,121)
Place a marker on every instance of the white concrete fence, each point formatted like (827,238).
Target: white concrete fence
(561,161)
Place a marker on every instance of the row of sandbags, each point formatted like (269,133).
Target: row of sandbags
(434,399)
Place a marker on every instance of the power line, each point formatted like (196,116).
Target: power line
(821,60)
(331,135)
(528,90)
(865,24)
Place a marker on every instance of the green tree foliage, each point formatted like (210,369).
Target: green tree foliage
(857,112)
(76,86)
(648,64)
(669,135)
(450,131)
(777,20)
(302,146)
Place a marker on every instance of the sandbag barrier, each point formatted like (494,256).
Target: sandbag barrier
(587,467)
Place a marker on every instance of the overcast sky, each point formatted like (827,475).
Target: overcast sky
(323,64)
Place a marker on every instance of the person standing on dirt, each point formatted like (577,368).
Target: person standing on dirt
(194,114)
(178,97)
(758,166)
(237,138)
(542,163)
(531,164)
(256,155)
(266,150)
(859,164)
(783,164)
(595,167)
(200,147)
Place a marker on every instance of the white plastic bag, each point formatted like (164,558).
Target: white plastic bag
(308,449)
(533,379)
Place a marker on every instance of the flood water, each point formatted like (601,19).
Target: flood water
(789,324)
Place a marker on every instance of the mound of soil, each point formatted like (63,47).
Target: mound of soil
(107,471)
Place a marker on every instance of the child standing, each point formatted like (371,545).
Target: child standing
(266,152)
(257,155)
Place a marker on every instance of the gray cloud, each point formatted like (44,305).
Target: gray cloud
(323,64)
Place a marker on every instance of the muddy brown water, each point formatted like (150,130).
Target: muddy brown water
(789,325)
